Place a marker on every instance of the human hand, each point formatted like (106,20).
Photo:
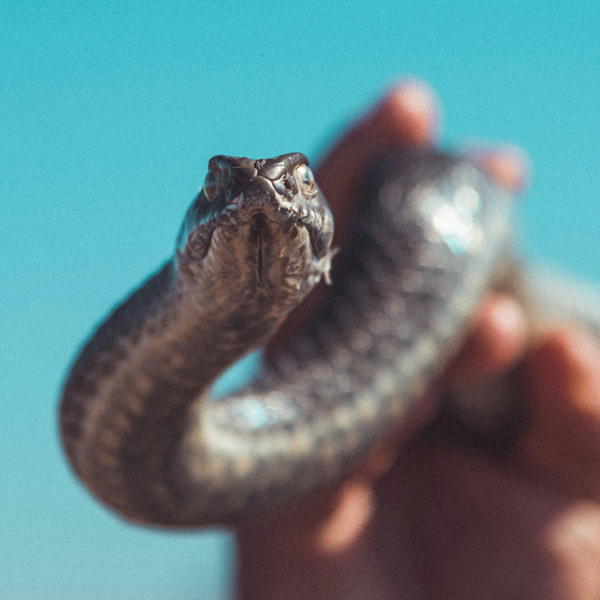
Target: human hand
(431,519)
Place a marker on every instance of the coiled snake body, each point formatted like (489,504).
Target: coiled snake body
(137,422)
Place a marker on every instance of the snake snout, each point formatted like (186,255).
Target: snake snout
(260,197)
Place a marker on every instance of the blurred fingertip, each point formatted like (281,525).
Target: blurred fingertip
(496,340)
(506,317)
(409,112)
(499,331)
(565,364)
(508,165)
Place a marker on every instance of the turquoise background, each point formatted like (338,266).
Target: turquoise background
(109,112)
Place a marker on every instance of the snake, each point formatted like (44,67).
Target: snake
(139,423)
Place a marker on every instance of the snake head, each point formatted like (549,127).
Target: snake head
(260,208)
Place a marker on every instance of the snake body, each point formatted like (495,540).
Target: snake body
(137,420)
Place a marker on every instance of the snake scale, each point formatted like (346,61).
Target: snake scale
(137,420)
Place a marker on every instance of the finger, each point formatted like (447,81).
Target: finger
(312,550)
(496,340)
(508,166)
(476,398)
(407,114)
(562,373)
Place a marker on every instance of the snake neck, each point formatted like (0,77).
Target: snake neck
(127,400)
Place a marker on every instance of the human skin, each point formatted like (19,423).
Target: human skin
(424,517)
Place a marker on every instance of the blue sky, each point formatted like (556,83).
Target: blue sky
(108,115)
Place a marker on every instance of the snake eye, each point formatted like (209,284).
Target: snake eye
(305,179)
(212,184)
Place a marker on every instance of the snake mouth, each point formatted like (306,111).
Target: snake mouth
(259,231)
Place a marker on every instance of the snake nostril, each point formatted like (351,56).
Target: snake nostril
(287,184)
